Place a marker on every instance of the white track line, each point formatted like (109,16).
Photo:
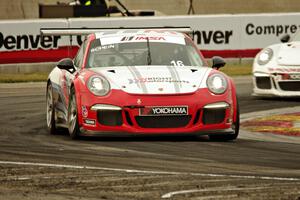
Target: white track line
(146,171)
(171,194)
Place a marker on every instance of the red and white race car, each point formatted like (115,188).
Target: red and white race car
(141,81)
(276,69)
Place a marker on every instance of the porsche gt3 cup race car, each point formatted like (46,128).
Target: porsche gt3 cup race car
(147,81)
(276,69)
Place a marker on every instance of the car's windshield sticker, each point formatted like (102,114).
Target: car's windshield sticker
(149,38)
(142,38)
(99,48)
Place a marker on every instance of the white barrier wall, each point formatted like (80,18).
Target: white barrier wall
(226,35)
(25,34)
(21,42)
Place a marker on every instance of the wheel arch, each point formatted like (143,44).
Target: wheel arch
(75,85)
(234,100)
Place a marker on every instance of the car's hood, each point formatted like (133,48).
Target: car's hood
(154,79)
(289,54)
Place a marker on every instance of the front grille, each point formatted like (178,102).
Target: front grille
(163,121)
(128,119)
(110,117)
(197,117)
(213,116)
(263,82)
(290,85)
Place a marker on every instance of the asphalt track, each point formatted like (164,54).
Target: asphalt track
(35,165)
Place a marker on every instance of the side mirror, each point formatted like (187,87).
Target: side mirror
(66,64)
(218,62)
(285,38)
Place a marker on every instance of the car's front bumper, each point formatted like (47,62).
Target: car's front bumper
(85,132)
(120,113)
(269,85)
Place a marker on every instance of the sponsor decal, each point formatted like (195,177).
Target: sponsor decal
(24,42)
(149,38)
(209,37)
(164,110)
(99,48)
(295,76)
(277,30)
(127,38)
(284,69)
(143,38)
(287,77)
(139,101)
(85,111)
(91,122)
(138,75)
(156,80)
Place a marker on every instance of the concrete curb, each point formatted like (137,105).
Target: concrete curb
(280,111)
(268,136)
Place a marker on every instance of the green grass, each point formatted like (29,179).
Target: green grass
(23,77)
(237,70)
(230,69)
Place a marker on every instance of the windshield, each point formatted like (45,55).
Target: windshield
(143,53)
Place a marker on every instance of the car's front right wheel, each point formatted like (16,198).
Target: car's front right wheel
(50,110)
(73,125)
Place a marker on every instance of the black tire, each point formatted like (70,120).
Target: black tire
(50,111)
(73,125)
(235,127)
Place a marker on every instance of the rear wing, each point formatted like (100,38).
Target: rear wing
(87,31)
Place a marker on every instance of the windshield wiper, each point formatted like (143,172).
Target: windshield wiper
(149,60)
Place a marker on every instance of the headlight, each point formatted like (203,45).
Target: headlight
(98,85)
(217,83)
(265,56)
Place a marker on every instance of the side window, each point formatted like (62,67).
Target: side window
(193,54)
(78,60)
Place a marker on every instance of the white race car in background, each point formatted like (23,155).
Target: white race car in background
(276,69)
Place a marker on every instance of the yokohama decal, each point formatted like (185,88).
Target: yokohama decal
(164,110)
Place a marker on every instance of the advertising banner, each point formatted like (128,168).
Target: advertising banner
(230,36)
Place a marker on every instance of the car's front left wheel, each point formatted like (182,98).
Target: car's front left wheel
(73,125)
